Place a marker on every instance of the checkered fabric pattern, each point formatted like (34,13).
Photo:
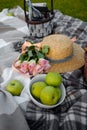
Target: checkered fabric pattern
(72,113)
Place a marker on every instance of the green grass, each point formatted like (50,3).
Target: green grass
(75,8)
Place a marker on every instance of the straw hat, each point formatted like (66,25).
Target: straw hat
(64,54)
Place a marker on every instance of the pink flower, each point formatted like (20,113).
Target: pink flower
(44,63)
(31,66)
(17,63)
(24,67)
(46,68)
(38,70)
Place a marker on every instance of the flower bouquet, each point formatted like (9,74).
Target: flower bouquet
(32,60)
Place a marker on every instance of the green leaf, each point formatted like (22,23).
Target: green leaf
(40,54)
(45,49)
(33,53)
(30,54)
(31,41)
(31,48)
(23,57)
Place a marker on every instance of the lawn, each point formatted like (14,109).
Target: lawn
(75,8)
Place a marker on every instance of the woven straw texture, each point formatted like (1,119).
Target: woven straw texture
(61,46)
(59,49)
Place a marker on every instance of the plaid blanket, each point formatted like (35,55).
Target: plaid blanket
(72,113)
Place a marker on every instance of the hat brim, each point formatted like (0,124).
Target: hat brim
(76,62)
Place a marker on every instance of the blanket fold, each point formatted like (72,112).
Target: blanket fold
(11,116)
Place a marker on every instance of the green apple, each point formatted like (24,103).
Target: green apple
(49,95)
(37,87)
(53,79)
(10,14)
(14,87)
(59,92)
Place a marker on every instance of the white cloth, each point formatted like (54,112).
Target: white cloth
(8,75)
